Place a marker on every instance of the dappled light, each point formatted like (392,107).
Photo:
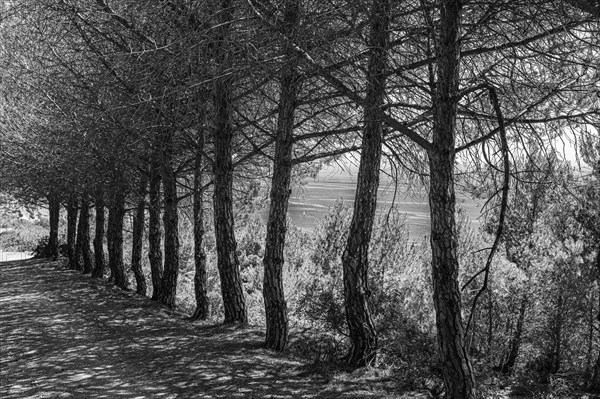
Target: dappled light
(386,199)
(64,335)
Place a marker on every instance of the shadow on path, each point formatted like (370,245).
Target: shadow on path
(65,335)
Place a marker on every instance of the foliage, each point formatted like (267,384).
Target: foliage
(399,283)
(95,93)
(22,235)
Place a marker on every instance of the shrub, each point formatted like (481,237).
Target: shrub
(400,291)
(24,236)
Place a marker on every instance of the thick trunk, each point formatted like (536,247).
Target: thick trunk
(200,277)
(168,289)
(116,214)
(138,238)
(456,366)
(275,304)
(457,371)
(71,232)
(232,291)
(54,210)
(154,232)
(515,342)
(83,253)
(99,256)
(363,337)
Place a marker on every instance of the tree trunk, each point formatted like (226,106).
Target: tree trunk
(116,214)
(490,332)
(515,343)
(200,277)
(363,337)
(590,340)
(456,366)
(154,232)
(168,289)
(83,254)
(71,232)
(99,256)
(138,237)
(275,304)
(556,330)
(232,291)
(457,371)
(54,210)
(594,383)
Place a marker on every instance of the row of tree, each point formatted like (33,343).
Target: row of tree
(131,106)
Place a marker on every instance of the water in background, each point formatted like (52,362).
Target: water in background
(311,202)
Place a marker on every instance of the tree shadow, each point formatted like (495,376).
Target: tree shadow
(65,335)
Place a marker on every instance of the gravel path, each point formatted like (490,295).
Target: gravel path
(65,335)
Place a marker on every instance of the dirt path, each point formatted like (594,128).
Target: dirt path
(65,335)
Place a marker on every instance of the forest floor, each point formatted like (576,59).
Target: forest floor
(66,335)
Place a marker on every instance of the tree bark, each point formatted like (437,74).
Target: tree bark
(456,367)
(515,343)
(99,256)
(275,304)
(556,335)
(594,383)
(54,210)
(154,232)
(138,237)
(83,254)
(234,302)
(71,232)
(200,277)
(363,337)
(116,214)
(168,289)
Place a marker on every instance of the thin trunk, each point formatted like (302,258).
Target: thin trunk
(168,289)
(99,256)
(154,232)
(83,253)
(200,277)
(590,343)
(515,342)
(594,383)
(490,333)
(556,335)
(363,337)
(232,291)
(116,214)
(456,366)
(275,304)
(71,231)
(54,209)
(138,238)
